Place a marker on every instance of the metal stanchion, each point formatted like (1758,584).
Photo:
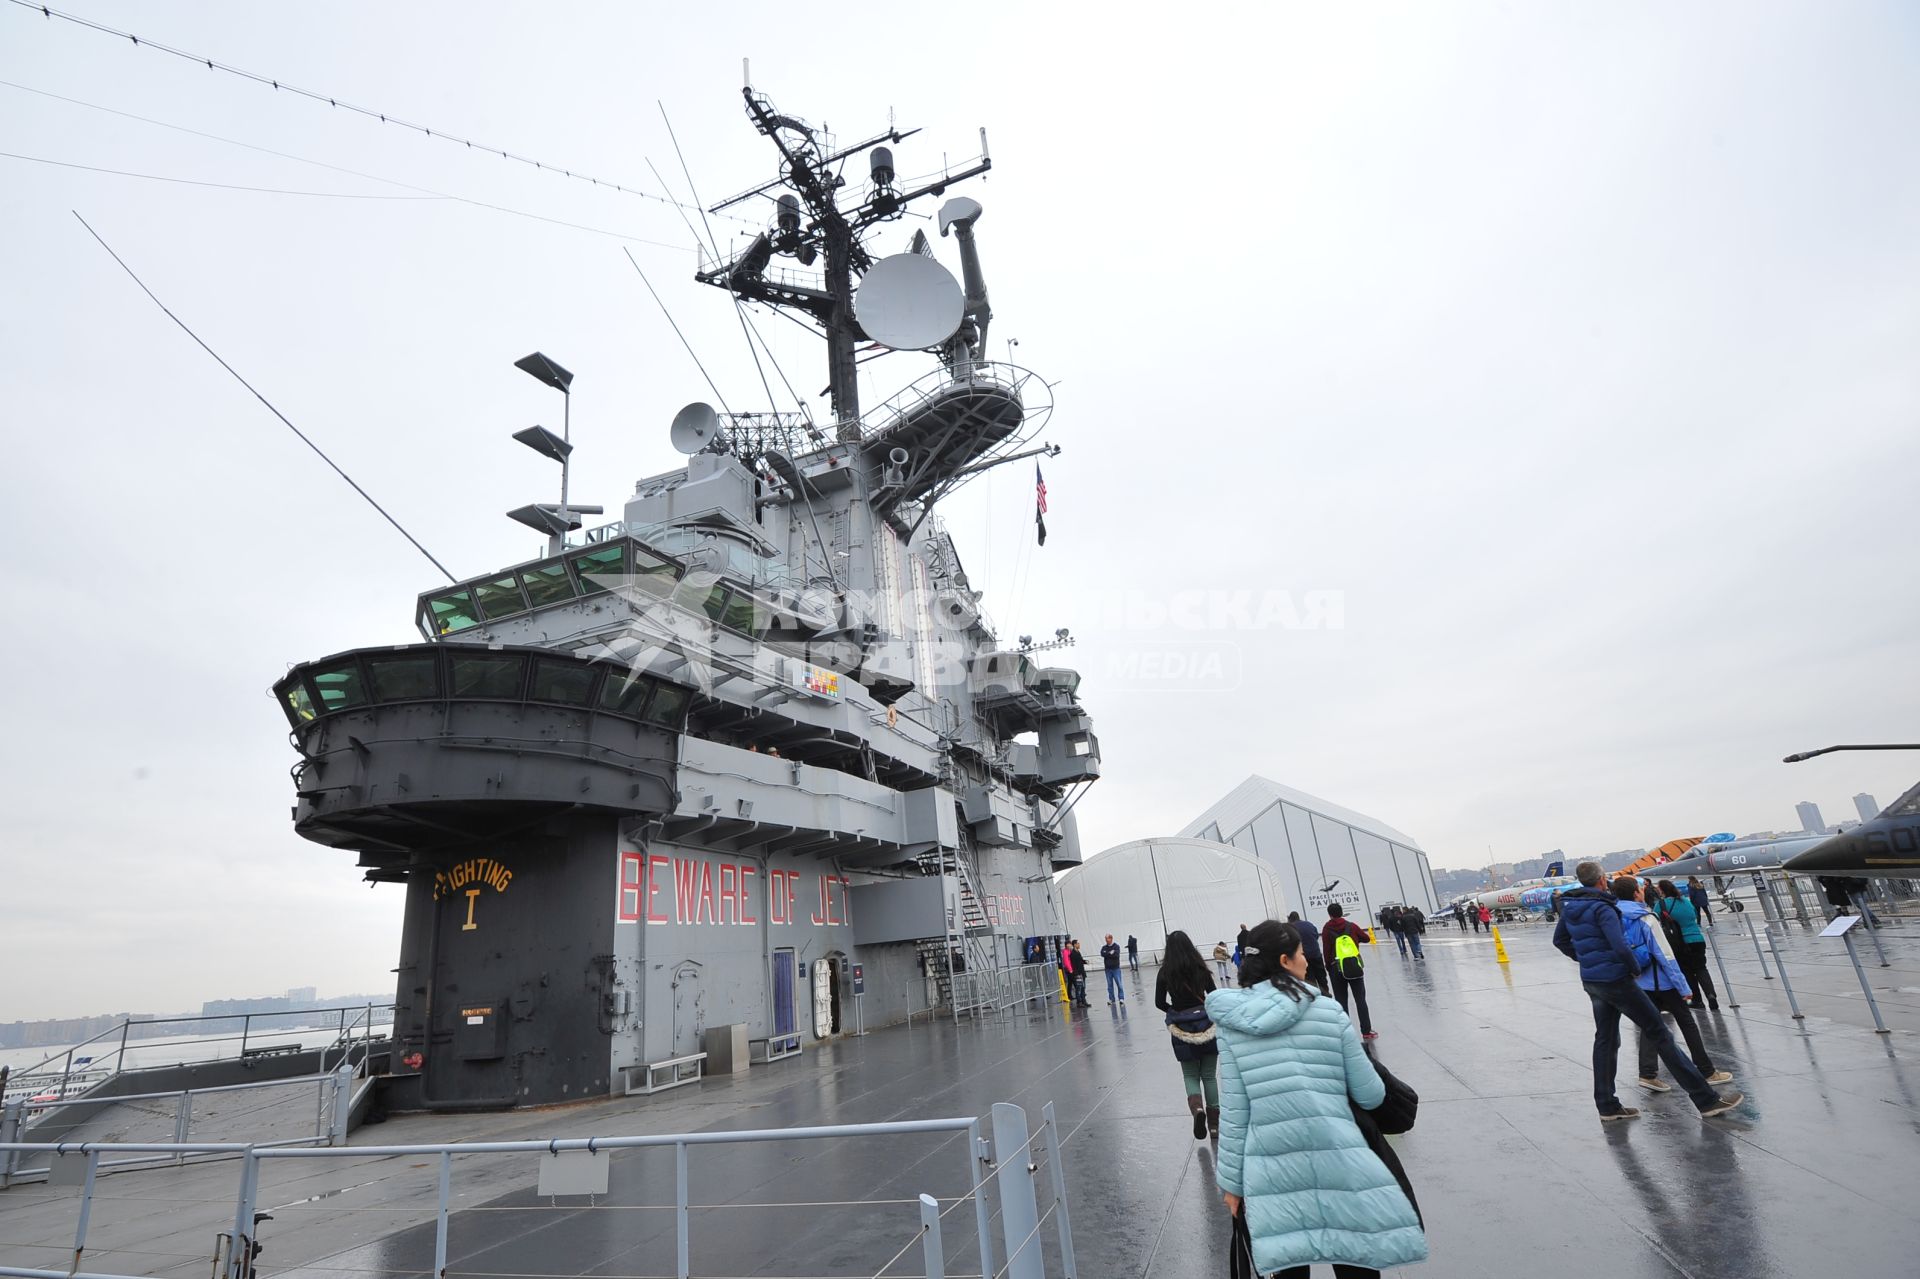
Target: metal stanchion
(1872,931)
(1799,902)
(1726,983)
(1773,895)
(1843,929)
(1784,982)
(1755,939)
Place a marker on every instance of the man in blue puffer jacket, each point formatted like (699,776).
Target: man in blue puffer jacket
(1590,931)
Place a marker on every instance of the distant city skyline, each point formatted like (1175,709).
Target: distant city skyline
(1867,806)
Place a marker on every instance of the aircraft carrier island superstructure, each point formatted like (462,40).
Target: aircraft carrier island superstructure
(713,761)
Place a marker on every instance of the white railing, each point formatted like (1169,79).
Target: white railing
(579,1167)
(118,1048)
(333,1099)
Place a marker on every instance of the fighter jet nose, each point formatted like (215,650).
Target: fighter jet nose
(1818,860)
(1887,845)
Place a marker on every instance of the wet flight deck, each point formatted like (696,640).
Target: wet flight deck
(1814,1174)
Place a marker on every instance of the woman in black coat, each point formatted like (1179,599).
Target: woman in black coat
(1180,991)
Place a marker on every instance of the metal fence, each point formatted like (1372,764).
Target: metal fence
(1008,1169)
(1001,989)
(333,1094)
(235,1037)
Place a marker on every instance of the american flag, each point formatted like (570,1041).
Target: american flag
(1039,505)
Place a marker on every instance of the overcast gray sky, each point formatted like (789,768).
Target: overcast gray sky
(1573,345)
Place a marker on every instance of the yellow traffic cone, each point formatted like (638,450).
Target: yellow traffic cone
(1499,947)
(1064,997)
(1371,939)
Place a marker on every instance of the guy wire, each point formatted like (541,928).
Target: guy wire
(263,399)
(677,333)
(426,192)
(370,112)
(738,311)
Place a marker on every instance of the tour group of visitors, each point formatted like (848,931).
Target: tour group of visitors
(1636,947)
(1274,1041)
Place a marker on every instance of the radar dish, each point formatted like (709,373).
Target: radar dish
(695,428)
(909,302)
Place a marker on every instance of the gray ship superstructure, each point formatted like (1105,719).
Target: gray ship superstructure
(748,751)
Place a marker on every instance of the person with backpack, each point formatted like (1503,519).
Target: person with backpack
(1133,952)
(1592,932)
(1681,919)
(1295,1168)
(1665,984)
(1346,971)
(1310,947)
(1180,991)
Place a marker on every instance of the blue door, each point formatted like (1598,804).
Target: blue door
(783,992)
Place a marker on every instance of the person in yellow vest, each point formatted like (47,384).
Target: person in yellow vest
(1341,940)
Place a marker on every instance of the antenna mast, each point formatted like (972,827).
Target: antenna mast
(810,226)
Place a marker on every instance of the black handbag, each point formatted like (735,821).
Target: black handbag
(1395,1113)
(1240,1249)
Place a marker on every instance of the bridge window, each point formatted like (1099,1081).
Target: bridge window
(299,704)
(625,694)
(562,681)
(451,611)
(485,675)
(339,685)
(607,564)
(732,609)
(499,598)
(547,583)
(403,677)
(654,575)
(669,706)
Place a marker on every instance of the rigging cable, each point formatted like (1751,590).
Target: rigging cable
(301,159)
(222,186)
(715,245)
(677,333)
(371,113)
(802,404)
(263,399)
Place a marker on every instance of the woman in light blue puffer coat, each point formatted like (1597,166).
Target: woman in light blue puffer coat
(1291,1158)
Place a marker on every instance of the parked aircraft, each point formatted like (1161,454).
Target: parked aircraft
(1511,897)
(1716,856)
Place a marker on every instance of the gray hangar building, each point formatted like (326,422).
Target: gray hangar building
(1320,851)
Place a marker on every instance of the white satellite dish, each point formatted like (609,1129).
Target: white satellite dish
(695,428)
(909,302)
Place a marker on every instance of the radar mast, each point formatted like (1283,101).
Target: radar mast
(810,226)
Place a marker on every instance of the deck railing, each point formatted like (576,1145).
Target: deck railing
(73,1071)
(579,1168)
